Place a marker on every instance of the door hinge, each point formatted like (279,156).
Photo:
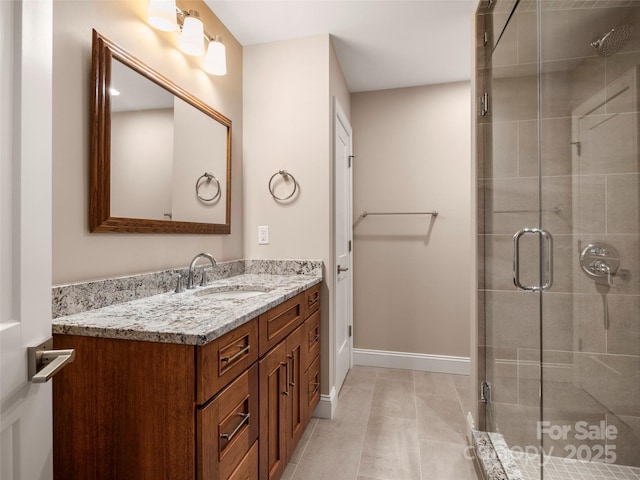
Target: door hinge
(349,245)
(351,157)
(350,331)
(484,104)
(485,392)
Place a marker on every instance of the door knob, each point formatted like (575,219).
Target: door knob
(342,269)
(44,362)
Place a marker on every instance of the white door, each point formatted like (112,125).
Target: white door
(25,235)
(343,244)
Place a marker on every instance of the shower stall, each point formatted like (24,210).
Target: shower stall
(558,220)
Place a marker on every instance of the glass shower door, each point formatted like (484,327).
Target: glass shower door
(509,202)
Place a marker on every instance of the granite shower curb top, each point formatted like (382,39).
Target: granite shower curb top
(185,318)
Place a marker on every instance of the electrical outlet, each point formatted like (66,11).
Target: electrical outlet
(263,235)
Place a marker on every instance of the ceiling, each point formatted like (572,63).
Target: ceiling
(380,44)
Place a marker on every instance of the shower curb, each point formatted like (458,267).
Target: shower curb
(495,460)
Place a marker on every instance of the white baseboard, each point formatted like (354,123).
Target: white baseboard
(327,405)
(412,361)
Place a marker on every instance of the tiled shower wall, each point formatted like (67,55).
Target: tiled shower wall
(588,192)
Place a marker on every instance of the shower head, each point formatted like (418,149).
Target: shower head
(611,42)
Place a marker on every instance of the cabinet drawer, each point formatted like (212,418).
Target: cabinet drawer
(225,358)
(312,300)
(228,427)
(248,468)
(311,348)
(280,321)
(311,389)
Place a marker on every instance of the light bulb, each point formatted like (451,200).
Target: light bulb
(215,62)
(192,38)
(161,14)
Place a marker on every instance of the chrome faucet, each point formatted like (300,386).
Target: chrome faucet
(190,282)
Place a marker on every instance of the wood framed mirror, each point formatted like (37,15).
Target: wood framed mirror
(160,157)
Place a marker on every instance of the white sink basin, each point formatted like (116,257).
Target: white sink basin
(232,292)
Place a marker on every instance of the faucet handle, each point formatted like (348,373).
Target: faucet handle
(179,284)
(203,280)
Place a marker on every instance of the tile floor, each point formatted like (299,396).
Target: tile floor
(389,425)
(557,468)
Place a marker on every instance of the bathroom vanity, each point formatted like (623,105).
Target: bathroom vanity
(216,383)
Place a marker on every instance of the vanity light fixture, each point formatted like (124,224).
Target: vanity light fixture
(192,35)
(192,38)
(215,62)
(161,14)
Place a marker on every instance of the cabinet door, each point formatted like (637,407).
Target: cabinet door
(274,406)
(296,343)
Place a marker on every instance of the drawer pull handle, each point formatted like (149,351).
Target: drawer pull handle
(315,389)
(235,355)
(245,420)
(314,339)
(313,298)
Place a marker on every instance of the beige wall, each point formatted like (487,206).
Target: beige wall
(142,147)
(77,254)
(411,276)
(288,92)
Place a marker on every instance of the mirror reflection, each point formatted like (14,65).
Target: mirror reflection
(160,146)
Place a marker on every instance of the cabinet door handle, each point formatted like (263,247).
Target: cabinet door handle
(286,365)
(229,436)
(235,355)
(315,389)
(314,339)
(292,382)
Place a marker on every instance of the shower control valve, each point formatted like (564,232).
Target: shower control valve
(600,260)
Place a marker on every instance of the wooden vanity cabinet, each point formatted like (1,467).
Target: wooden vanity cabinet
(233,409)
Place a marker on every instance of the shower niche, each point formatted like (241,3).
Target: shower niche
(557,155)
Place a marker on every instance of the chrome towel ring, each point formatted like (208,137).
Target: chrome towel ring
(209,178)
(286,176)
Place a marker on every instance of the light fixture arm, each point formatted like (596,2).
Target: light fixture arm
(182,14)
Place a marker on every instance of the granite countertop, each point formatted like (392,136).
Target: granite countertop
(188,317)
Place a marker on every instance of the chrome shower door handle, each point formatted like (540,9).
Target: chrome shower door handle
(516,260)
(547,236)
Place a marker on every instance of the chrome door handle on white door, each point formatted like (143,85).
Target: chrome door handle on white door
(342,269)
(44,362)
(516,260)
